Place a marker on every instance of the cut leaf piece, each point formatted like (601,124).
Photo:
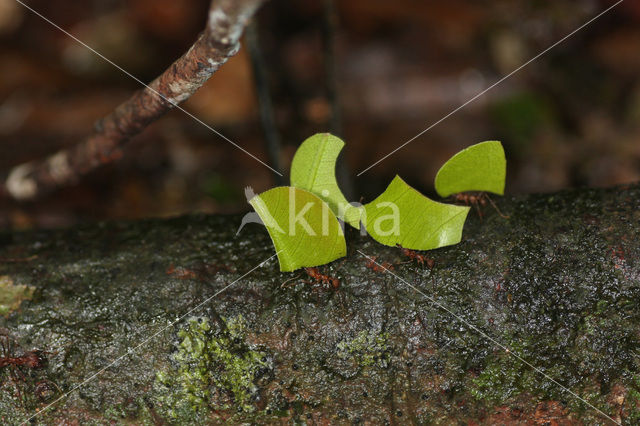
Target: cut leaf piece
(481,167)
(302,227)
(314,168)
(402,215)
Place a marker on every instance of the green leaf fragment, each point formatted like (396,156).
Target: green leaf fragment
(402,215)
(314,168)
(302,227)
(480,167)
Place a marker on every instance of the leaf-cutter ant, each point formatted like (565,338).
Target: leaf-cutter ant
(477,200)
(321,278)
(33,360)
(420,258)
(378,267)
(181,273)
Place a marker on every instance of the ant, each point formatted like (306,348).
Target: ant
(31,359)
(376,267)
(477,200)
(321,278)
(34,360)
(420,258)
(181,273)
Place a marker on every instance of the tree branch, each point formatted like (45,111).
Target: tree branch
(553,293)
(219,41)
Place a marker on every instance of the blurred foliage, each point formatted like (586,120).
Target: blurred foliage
(519,117)
(220,189)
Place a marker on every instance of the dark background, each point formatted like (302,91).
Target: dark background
(570,119)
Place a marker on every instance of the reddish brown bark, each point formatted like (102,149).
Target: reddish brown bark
(218,42)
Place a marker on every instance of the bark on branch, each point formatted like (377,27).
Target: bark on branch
(558,284)
(218,42)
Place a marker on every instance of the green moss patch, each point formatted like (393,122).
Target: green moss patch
(12,295)
(504,377)
(367,348)
(215,370)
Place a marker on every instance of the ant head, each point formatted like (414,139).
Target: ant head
(35,359)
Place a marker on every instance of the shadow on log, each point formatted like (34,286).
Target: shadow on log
(558,284)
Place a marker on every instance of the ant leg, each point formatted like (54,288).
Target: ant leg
(4,346)
(13,373)
(284,284)
(6,351)
(497,209)
(477,206)
(310,283)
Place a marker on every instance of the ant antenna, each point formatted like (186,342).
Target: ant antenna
(497,209)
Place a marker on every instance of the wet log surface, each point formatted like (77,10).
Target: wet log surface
(558,284)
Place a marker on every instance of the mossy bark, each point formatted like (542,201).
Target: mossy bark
(558,283)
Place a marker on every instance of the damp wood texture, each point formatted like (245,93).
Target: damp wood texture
(556,285)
